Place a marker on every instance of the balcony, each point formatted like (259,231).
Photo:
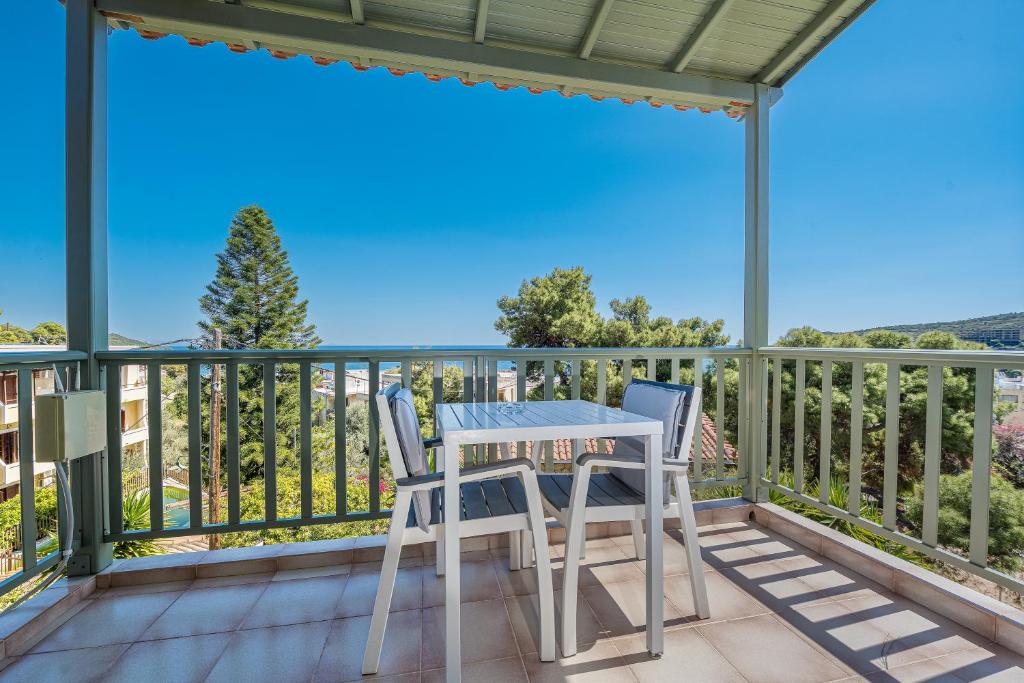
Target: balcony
(790,601)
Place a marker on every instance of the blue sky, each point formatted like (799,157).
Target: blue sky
(409,207)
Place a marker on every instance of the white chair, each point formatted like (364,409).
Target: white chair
(491,503)
(618,495)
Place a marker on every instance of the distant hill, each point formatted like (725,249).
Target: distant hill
(965,329)
(116,339)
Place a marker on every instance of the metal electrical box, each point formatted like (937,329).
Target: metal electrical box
(70,425)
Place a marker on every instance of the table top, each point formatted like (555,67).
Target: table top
(474,423)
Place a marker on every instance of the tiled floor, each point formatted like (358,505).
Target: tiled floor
(780,613)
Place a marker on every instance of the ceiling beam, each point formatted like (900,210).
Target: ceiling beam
(305,34)
(700,34)
(596,22)
(813,52)
(805,39)
(480,30)
(358,15)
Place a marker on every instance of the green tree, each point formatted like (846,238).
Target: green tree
(253,300)
(12,334)
(556,310)
(49,333)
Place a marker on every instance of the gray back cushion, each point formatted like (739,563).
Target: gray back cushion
(666,402)
(407,425)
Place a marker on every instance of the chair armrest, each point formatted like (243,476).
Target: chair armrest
(491,469)
(635,462)
(432,442)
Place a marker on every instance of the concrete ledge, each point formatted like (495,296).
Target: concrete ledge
(980,613)
(22,627)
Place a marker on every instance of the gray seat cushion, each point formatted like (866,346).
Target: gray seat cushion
(669,403)
(603,490)
(414,455)
(480,500)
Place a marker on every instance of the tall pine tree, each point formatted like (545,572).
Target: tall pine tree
(253,299)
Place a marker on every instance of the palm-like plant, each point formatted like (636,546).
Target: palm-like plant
(135,509)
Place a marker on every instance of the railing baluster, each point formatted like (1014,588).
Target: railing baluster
(856,436)
(340,439)
(579,445)
(798,426)
(825,453)
(890,477)
(521,396)
(306,439)
(932,452)
(674,370)
(602,395)
(373,438)
(154,414)
(195,445)
(627,373)
(652,369)
(27,469)
(720,418)
(233,443)
(981,472)
(492,395)
(406,373)
(270,441)
(776,418)
(549,395)
(742,420)
(698,438)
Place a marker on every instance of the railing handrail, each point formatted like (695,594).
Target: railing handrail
(955,358)
(399,353)
(12,360)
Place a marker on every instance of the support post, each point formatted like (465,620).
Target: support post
(86,244)
(755,288)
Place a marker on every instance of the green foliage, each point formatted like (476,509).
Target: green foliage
(556,310)
(961,328)
(12,334)
(839,497)
(1006,518)
(49,333)
(253,300)
(1009,455)
(46,508)
(423,391)
(289,505)
(135,508)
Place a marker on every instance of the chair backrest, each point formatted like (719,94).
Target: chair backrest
(403,437)
(677,405)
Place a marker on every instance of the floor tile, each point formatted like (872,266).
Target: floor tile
(207,610)
(604,564)
(982,664)
(173,660)
(765,650)
(142,588)
(311,572)
(688,657)
(524,613)
(109,620)
(342,658)
(517,582)
(477,581)
(486,633)
(86,664)
(361,590)
(726,601)
(280,654)
(232,580)
(601,663)
(294,602)
(508,670)
(621,608)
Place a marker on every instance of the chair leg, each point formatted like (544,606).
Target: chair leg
(386,586)
(515,550)
(689,524)
(545,590)
(576,531)
(526,554)
(637,526)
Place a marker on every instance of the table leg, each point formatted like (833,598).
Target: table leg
(655,565)
(452,598)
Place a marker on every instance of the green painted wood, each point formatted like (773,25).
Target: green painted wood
(776,419)
(233,443)
(856,437)
(981,467)
(269,441)
(719,419)
(932,457)
(26,459)
(340,438)
(798,425)
(698,441)
(112,374)
(195,446)
(154,416)
(492,395)
(521,396)
(890,476)
(652,368)
(825,456)
(549,395)
(407,374)
(305,439)
(373,434)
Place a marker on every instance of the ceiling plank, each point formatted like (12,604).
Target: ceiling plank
(358,15)
(707,24)
(480,30)
(805,39)
(596,22)
(309,35)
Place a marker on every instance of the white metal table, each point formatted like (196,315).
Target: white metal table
(467,424)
